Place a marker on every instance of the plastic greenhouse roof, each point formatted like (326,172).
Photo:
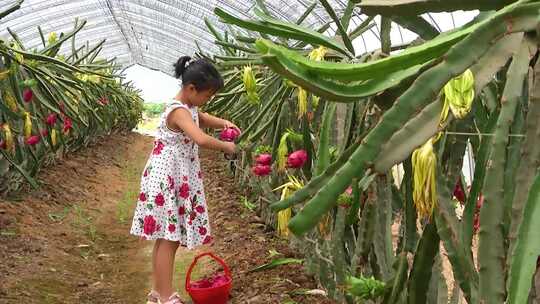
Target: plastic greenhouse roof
(151,33)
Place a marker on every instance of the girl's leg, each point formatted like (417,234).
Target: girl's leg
(164,265)
(154,267)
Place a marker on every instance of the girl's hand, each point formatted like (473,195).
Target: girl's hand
(227,124)
(229,148)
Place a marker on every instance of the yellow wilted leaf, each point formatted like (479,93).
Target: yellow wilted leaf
(10,144)
(10,101)
(4,75)
(459,94)
(27,125)
(424,163)
(53,137)
(302,102)
(284,216)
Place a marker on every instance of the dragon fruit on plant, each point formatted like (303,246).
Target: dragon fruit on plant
(28,95)
(51,119)
(458,192)
(68,125)
(261,170)
(297,159)
(32,140)
(264,159)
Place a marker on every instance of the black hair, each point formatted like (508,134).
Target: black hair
(201,73)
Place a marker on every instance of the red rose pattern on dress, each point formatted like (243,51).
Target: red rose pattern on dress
(171,204)
(171,182)
(160,200)
(184,191)
(158,147)
(200,209)
(149,225)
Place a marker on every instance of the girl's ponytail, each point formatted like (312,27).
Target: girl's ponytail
(180,66)
(201,73)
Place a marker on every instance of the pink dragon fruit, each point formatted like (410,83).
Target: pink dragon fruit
(229,134)
(220,280)
(201,284)
(261,170)
(28,95)
(297,159)
(264,159)
(32,140)
(103,101)
(211,282)
(458,192)
(51,119)
(68,125)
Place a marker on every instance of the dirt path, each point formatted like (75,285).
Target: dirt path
(68,242)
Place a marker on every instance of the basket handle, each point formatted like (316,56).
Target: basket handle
(217,259)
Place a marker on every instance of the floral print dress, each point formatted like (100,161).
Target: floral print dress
(171,203)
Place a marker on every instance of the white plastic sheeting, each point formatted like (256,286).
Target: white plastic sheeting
(154,33)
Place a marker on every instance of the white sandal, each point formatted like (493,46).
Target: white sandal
(152,297)
(173,299)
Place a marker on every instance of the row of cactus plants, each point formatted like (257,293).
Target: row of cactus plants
(357,117)
(53,103)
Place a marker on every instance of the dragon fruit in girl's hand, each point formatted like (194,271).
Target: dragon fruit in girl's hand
(229,134)
(261,170)
(297,159)
(264,159)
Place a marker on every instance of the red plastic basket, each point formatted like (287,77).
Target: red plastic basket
(210,295)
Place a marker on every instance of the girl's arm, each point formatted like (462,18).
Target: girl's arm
(210,121)
(180,119)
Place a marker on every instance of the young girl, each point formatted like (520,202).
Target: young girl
(171,208)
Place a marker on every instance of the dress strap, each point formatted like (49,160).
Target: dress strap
(176,104)
(173,105)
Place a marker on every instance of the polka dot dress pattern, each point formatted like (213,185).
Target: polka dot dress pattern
(171,203)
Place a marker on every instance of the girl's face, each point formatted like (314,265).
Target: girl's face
(199,98)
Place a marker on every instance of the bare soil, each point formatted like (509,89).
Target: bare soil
(69,242)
